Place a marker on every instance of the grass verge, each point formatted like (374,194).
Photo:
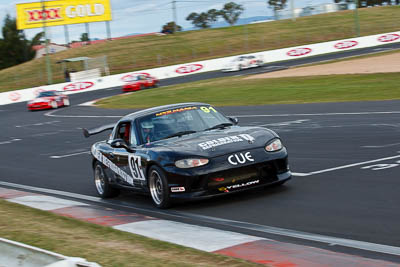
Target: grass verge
(155,51)
(235,91)
(100,244)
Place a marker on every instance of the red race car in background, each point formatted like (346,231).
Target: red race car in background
(48,99)
(139,82)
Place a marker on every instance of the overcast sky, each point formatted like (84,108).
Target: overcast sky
(144,16)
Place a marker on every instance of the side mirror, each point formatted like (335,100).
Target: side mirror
(120,143)
(234,120)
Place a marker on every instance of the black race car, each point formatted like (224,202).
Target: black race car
(185,151)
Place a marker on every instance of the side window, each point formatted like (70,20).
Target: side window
(124,132)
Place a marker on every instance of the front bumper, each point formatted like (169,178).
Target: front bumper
(130,88)
(38,106)
(205,194)
(220,177)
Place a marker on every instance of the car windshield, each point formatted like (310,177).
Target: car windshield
(180,121)
(48,93)
(238,59)
(133,78)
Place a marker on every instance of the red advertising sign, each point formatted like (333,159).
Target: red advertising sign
(14,96)
(388,38)
(78,86)
(346,44)
(189,68)
(299,52)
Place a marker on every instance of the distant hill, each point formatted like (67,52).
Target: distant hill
(221,23)
(242,21)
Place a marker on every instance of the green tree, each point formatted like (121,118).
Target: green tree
(231,12)
(170,27)
(204,19)
(84,37)
(14,47)
(199,20)
(277,5)
(213,15)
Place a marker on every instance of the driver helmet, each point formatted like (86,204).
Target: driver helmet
(147,125)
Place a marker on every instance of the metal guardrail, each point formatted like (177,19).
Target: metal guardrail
(18,254)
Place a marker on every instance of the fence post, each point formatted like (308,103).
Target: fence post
(159,59)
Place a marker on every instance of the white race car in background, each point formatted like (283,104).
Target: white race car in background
(244,62)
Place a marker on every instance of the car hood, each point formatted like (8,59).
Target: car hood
(215,143)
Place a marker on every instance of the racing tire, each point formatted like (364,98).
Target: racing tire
(103,187)
(158,187)
(141,87)
(66,102)
(155,85)
(240,67)
(54,104)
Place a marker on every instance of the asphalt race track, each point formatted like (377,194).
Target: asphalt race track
(345,156)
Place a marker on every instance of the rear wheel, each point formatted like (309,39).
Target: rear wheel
(103,187)
(141,87)
(158,187)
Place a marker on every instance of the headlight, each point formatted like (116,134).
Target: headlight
(190,163)
(274,146)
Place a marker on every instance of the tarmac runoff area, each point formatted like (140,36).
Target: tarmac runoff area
(247,247)
(377,64)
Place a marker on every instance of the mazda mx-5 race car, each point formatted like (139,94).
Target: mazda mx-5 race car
(185,151)
(140,82)
(47,100)
(243,62)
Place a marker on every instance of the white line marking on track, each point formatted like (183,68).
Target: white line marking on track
(88,104)
(69,155)
(318,114)
(345,166)
(386,249)
(10,141)
(284,123)
(37,124)
(382,146)
(300,174)
(50,114)
(44,134)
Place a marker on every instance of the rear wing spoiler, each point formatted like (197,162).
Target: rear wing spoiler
(97,130)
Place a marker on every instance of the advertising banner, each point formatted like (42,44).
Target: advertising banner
(62,12)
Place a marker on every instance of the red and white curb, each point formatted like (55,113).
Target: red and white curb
(251,248)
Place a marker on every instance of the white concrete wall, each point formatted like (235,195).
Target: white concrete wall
(204,66)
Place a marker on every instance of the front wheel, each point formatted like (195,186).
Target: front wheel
(158,187)
(103,187)
(54,104)
(66,102)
